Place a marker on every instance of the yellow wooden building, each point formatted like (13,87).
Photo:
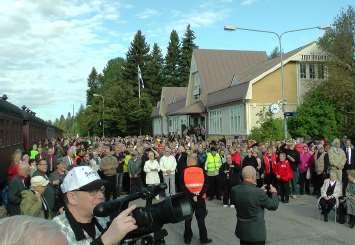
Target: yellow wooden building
(228,89)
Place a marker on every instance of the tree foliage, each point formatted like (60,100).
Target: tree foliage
(317,117)
(270,128)
(123,112)
(92,85)
(329,109)
(185,55)
(340,85)
(274,53)
(153,76)
(171,67)
(137,55)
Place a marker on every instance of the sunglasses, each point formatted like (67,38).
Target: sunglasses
(94,192)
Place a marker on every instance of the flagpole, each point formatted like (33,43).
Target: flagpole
(139,99)
(139,92)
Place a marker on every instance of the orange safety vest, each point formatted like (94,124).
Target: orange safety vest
(194,179)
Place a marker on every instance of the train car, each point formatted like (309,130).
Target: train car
(53,132)
(34,131)
(20,129)
(11,123)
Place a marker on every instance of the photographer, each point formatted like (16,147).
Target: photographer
(83,190)
(250,202)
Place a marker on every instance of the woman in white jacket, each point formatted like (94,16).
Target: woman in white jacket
(152,168)
(330,192)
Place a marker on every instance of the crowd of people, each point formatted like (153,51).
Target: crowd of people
(38,184)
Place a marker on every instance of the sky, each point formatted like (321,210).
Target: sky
(48,47)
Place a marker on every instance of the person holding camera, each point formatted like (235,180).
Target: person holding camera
(194,181)
(83,191)
(250,202)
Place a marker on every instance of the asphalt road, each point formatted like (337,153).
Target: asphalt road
(297,222)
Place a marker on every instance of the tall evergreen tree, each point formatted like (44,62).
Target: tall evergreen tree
(171,68)
(153,77)
(137,55)
(185,55)
(92,85)
(113,70)
(274,53)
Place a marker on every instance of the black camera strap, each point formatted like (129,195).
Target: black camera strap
(77,228)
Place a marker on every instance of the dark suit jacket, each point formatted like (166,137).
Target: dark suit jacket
(350,166)
(16,186)
(181,159)
(250,203)
(54,163)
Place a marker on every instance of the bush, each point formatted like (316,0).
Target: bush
(316,117)
(270,128)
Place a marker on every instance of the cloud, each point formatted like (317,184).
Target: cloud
(206,15)
(247,2)
(48,47)
(147,13)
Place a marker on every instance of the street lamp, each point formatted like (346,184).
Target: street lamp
(103,108)
(279,37)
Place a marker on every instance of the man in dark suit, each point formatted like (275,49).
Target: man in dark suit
(181,160)
(350,162)
(16,186)
(250,203)
(51,160)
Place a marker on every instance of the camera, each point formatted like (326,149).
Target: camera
(151,218)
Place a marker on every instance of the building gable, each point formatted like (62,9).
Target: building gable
(217,68)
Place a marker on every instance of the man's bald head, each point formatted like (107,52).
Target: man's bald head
(249,174)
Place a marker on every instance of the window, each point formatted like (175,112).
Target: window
(239,125)
(312,71)
(197,90)
(215,121)
(236,123)
(303,71)
(321,71)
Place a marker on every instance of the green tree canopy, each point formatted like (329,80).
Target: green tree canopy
(269,128)
(171,68)
(153,76)
(137,55)
(92,85)
(185,55)
(317,117)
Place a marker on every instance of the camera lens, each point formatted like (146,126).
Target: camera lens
(172,210)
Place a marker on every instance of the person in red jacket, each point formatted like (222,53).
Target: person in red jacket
(284,174)
(236,157)
(269,160)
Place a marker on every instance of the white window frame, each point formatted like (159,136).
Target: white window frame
(314,71)
(305,70)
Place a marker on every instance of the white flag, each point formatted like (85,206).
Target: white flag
(140,78)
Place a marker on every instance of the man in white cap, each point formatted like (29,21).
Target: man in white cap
(83,191)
